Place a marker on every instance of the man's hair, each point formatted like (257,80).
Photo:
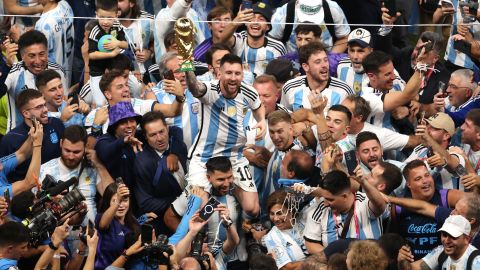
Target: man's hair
(169,39)
(215,47)
(136,12)
(277,197)
(474,116)
(25,96)
(306,51)
(436,40)
(46,76)
(120,62)
(343,109)
(218,11)
(221,164)
(337,262)
(301,164)
(373,61)
(278,116)
(366,136)
(164,59)
(30,38)
(107,79)
(75,134)
(367,255)
(307,27)
(231,59)
(266,78)
(13,233)
(361,106)
(108,5)
(336,182)
(150,117)
(392,177)
(473,205)
(410,166)
(314,261)
(391,243)
(466,76)
(261,261)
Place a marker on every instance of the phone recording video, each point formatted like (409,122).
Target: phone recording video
(207,211)
(74,96)
(147,230)
(351,161)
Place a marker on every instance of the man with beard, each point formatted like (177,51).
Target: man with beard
(419,230)
(314,61)
(156,185)
(77,161)
(32,106)
(224,107)
(33,48)
(50,85)
(253,46)
(138,28)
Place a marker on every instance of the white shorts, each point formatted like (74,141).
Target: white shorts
(197,175)
(97,96)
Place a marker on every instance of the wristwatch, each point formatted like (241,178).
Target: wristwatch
(50,245)
(181,99)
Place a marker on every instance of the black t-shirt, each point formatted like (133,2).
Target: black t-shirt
(97,67)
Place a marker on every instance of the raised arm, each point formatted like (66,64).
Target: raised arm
(377,204)
(196,87)
(418,206)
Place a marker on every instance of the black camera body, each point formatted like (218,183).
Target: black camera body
(196,249)
(152,253)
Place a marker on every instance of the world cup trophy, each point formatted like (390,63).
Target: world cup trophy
(184,31)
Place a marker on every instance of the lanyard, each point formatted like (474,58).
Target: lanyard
(355,219)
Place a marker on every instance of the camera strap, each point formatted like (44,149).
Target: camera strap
(82,167)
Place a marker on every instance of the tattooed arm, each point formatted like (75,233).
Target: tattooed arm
(197,88)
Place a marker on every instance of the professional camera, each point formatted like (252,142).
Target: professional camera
(46,213)
(152,254)
(196,249)
(472,6)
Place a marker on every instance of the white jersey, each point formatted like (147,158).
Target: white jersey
(390,140)
(248,77)
(57,26)
(359,81)
(257,58)
(87,183)
(324,226)
(139,34)
(140,107)
(431,259)
(296,91)
(473,157)
(221,128)
(378,117)
(18,79)
(86,93)
(286,246)
(189,120)
(280,16)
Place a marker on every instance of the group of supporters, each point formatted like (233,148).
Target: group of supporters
(296,141)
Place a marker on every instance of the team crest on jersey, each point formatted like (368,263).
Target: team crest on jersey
(357,86)
(275,165)
(88,180)
(231,111)
(195,107)
(114,33)
(245,110)
(323,27)
(54,137)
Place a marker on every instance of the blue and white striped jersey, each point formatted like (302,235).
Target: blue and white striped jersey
(296,91)
(257,58)
(221,128)
(165,20)
(139,34)
(454,56)
(20,78)
(359,81)
(76,119)
(278,25)
(248,77)
(378,117)
(189,120)
(87,182)
(431,260)
(57,26)
(324,226)
(286,246)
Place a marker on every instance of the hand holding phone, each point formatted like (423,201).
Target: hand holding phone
(74,97)
(247,4)
(351,161)
(34,122)
(207,211)
(147,230)
(391,5)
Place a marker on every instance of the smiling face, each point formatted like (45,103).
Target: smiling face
(317,67)
(281,134)
(258,27)
(124,205)
(173,65)
(454,247)
(420,182)
(370,153)
(221,181)
(36,108)
(383,79)
(231,76)
(357,54)
(35,58)
(118,91)
(279,217)
(53,92)
(126,127)
(458,91)
(337,123)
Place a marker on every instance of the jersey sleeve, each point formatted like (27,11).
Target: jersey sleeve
(375,102)
(431,259)
(181,203)
(239,43)
(342,28)
(211,95)
(280,253)
(286,100)
(278,22)
(313,231)
(392,140)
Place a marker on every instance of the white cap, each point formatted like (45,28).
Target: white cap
(456,225)
(310,11)
(360,36)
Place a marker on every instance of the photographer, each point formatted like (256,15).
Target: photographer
(77,161)
(13,244)
(114,221)
(58,236)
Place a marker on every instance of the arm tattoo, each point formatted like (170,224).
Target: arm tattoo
(424,266)
(197,88)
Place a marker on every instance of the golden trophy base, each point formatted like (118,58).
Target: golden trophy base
(187,65)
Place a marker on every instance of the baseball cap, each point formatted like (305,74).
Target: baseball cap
(456,225)
(310,11)
(443,121)
(360,36)
(263,9)
(282,69)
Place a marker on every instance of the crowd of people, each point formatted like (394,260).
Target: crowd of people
(309,134)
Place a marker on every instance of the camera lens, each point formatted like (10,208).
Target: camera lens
(70,200)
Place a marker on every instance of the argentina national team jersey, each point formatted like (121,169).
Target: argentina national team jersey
(188,121)
(359,81)
(286,246)
(20,78)
(454,56)
(296,91)
(431,260)
(324,226)
(257,58)
(221,128)
(139,34)
(57,26)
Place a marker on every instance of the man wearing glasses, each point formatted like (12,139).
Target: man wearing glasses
(32,106)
